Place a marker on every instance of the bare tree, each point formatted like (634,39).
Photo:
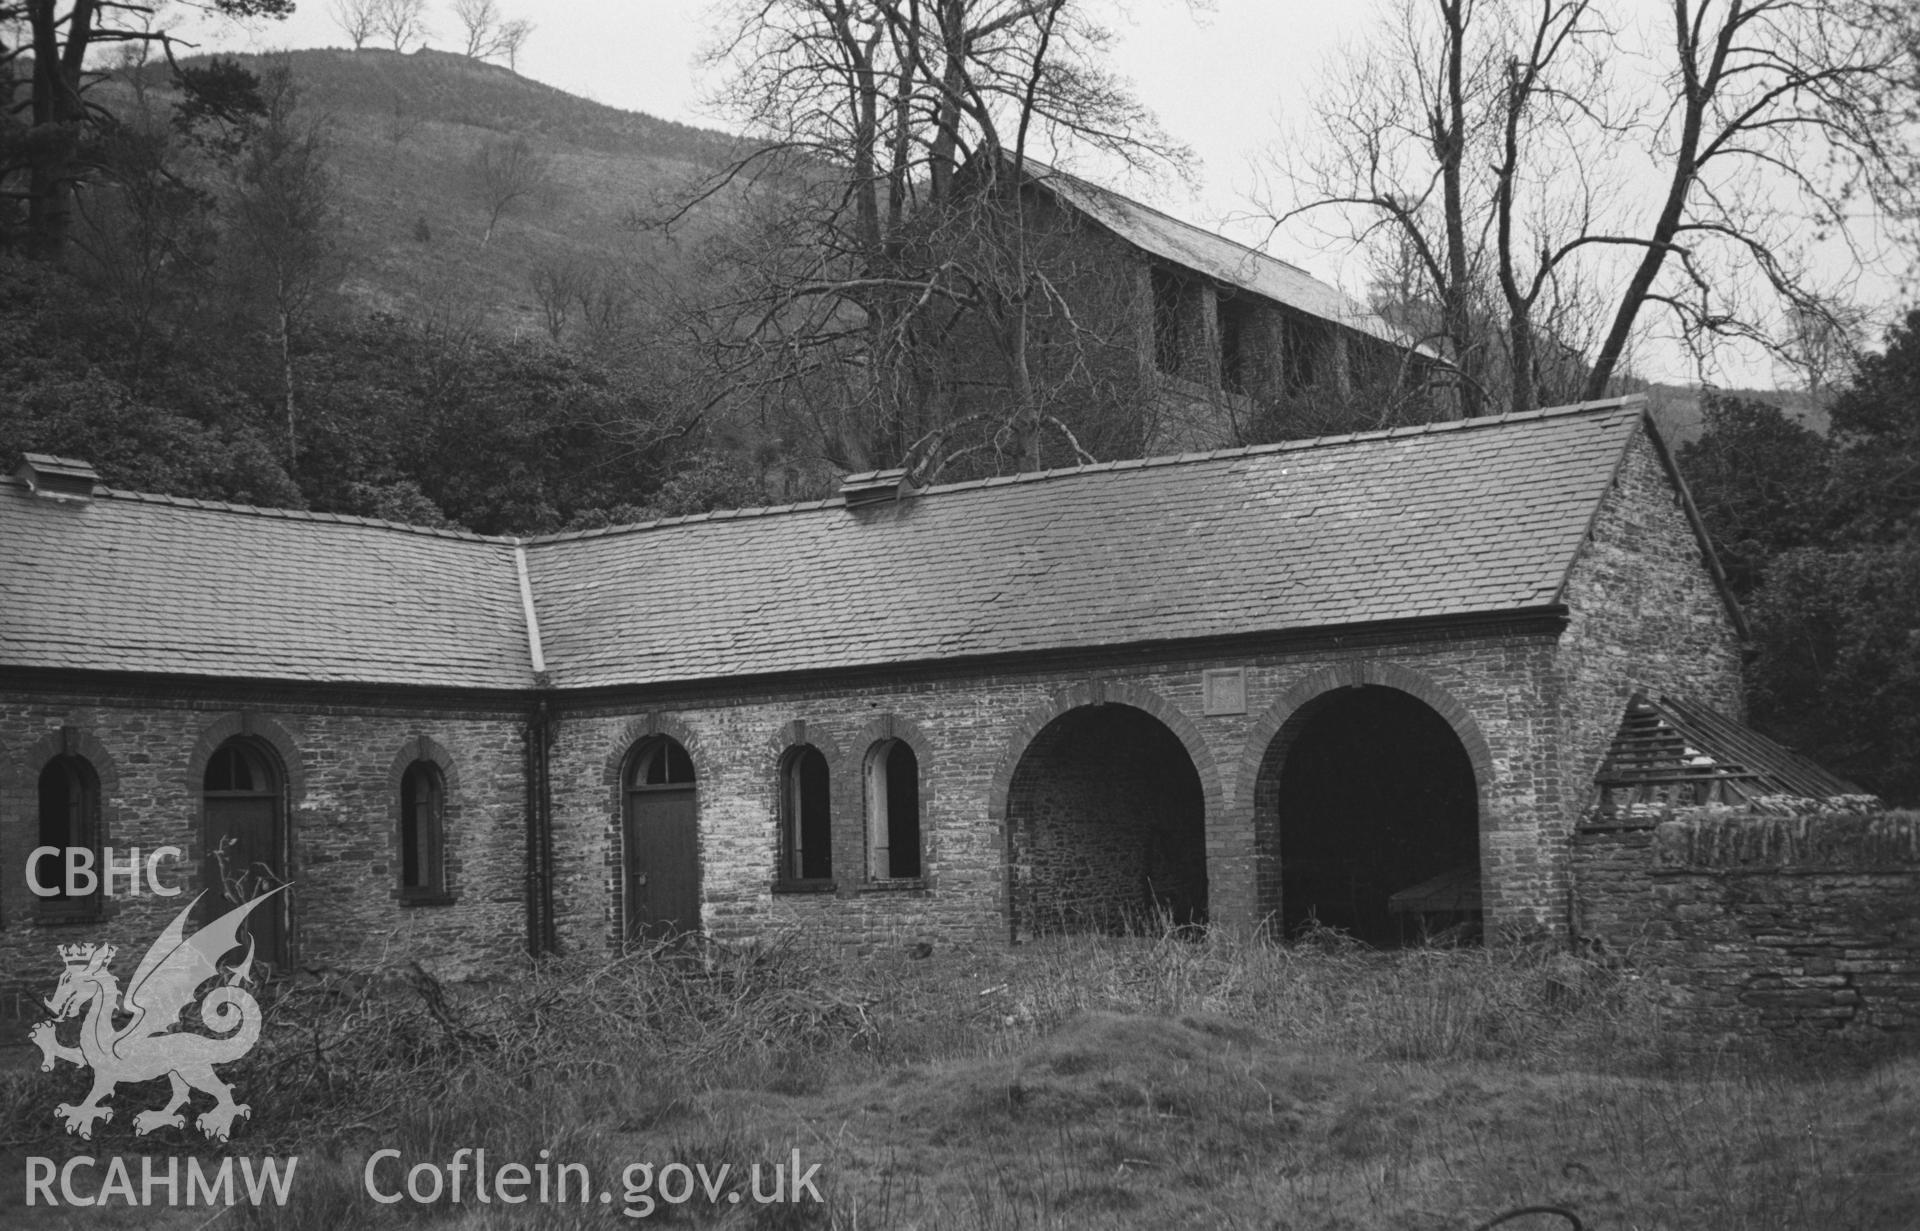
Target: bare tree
(400,122)
(557,281)
(284,236)
(1807,99)
(1822,346)
(504,173)
(402,21)
(893,276)
(513,37)
(480,19)
(1515,152)
(357,19)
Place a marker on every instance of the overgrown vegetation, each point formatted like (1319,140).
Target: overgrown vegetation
(1821,538)
(1142,1082)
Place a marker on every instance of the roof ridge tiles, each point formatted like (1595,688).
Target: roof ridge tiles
(1596,408)
(256,510)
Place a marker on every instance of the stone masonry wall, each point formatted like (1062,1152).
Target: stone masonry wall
(1763,924)
(969,732)
(1645,615)
(1105,829)
(342,767)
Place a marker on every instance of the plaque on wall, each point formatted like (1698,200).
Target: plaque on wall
(1225,691)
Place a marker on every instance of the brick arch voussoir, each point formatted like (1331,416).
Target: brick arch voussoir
(890,726)
(1104,692)
(422,748)
(255,727)
(803,732)
(69,741)
(644,727)
(1293,706)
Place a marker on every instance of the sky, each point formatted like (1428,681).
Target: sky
(1227,77)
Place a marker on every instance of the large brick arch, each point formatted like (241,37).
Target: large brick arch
(1283,719)
(1105,692)
(1272,735)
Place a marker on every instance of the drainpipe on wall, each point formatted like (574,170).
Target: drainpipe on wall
(541,938)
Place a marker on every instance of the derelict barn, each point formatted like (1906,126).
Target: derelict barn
(1366,681)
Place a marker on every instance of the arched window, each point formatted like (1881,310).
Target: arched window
(69,817)
(245,847)
(662,839)
(893,811)
(422,833)
(806,825)
(660,761)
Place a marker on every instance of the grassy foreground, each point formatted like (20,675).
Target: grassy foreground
(1078,1082)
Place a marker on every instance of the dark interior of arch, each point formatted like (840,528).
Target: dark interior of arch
(1376,796)
(1107,827)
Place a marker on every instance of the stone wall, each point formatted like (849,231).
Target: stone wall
(341,764)
(1645,614)
(970,731)
(1759,924)
(1108,828)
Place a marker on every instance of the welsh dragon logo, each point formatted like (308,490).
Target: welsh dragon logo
(149,1044)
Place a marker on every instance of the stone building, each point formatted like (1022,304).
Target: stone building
(1231,343)
(1251,687)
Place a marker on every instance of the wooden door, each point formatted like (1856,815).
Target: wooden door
(244,858)
(663,862)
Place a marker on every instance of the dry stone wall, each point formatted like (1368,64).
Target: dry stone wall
(1762,924)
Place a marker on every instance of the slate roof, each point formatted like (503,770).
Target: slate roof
(129,582)
(1483,516)
(1451,519)
(1216,256)
(1669,752)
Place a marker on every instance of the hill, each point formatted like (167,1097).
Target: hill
(1677,409)
(404,131)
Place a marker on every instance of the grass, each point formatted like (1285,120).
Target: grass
(1076,1082)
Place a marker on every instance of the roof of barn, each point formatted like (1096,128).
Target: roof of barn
(1484,516)
(1214,255)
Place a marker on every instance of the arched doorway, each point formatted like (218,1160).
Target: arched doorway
(1370,798)
(244,844)
(661,834)
(1106,825)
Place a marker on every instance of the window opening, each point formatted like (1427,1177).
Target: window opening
(422,807)
(69,817)
(807,823)
(893,811)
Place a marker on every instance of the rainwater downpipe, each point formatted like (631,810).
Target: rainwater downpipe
(539,736)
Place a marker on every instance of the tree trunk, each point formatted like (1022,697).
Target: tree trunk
(58,113)
(1453,144)
(286,371)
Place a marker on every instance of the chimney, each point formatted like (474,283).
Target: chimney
(874,487)
(58,478)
